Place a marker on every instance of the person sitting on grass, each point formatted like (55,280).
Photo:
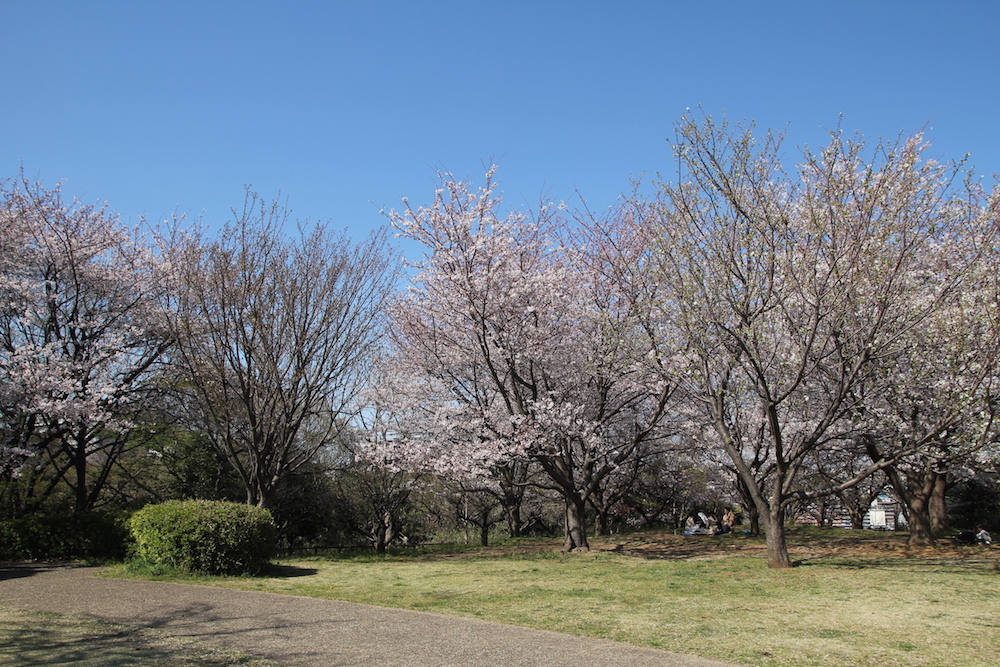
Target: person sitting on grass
(694,526)
(728,521)
(982,537)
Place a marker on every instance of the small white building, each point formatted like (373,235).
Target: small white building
(885,513)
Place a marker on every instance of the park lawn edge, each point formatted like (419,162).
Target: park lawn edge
(722,627)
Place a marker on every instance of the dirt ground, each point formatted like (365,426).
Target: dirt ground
(804,545)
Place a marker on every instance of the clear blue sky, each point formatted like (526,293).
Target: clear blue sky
(164,106)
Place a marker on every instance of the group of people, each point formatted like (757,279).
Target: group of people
(704,524)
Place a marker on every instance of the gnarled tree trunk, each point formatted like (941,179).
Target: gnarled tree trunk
(576,524)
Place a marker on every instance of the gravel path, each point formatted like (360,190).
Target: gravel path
(299,631)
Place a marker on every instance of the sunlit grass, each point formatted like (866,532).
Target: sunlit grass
(856,599)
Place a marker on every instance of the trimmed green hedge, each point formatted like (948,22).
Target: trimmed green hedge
(208,536)
(71,536)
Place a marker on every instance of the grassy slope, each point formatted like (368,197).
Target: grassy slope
(855,599)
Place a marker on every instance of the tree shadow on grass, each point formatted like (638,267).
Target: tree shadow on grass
(35,639)
(288,571)
(943,563)
(682,547)
(839,548)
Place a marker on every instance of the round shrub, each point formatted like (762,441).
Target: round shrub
(208,536)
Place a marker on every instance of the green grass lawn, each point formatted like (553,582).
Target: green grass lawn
(855,598)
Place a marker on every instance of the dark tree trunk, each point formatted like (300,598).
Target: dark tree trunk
(601,513)
(484,534)
(576,524)
(512,478)
(937,506)
(921,532)
(80,470)
(753,516)
(915,493)
(777,546)
(385,532)
(917,499)
(601,524)
(515,525)
(857,514)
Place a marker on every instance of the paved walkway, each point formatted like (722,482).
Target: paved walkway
(293,630)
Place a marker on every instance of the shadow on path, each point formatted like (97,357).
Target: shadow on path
(20,570)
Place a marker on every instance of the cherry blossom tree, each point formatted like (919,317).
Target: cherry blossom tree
(939,397)
(508,347)
(81,328)
(276,335)
(792,292)
(413,424)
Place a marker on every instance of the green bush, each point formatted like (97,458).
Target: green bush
(204,536)
(70,536)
